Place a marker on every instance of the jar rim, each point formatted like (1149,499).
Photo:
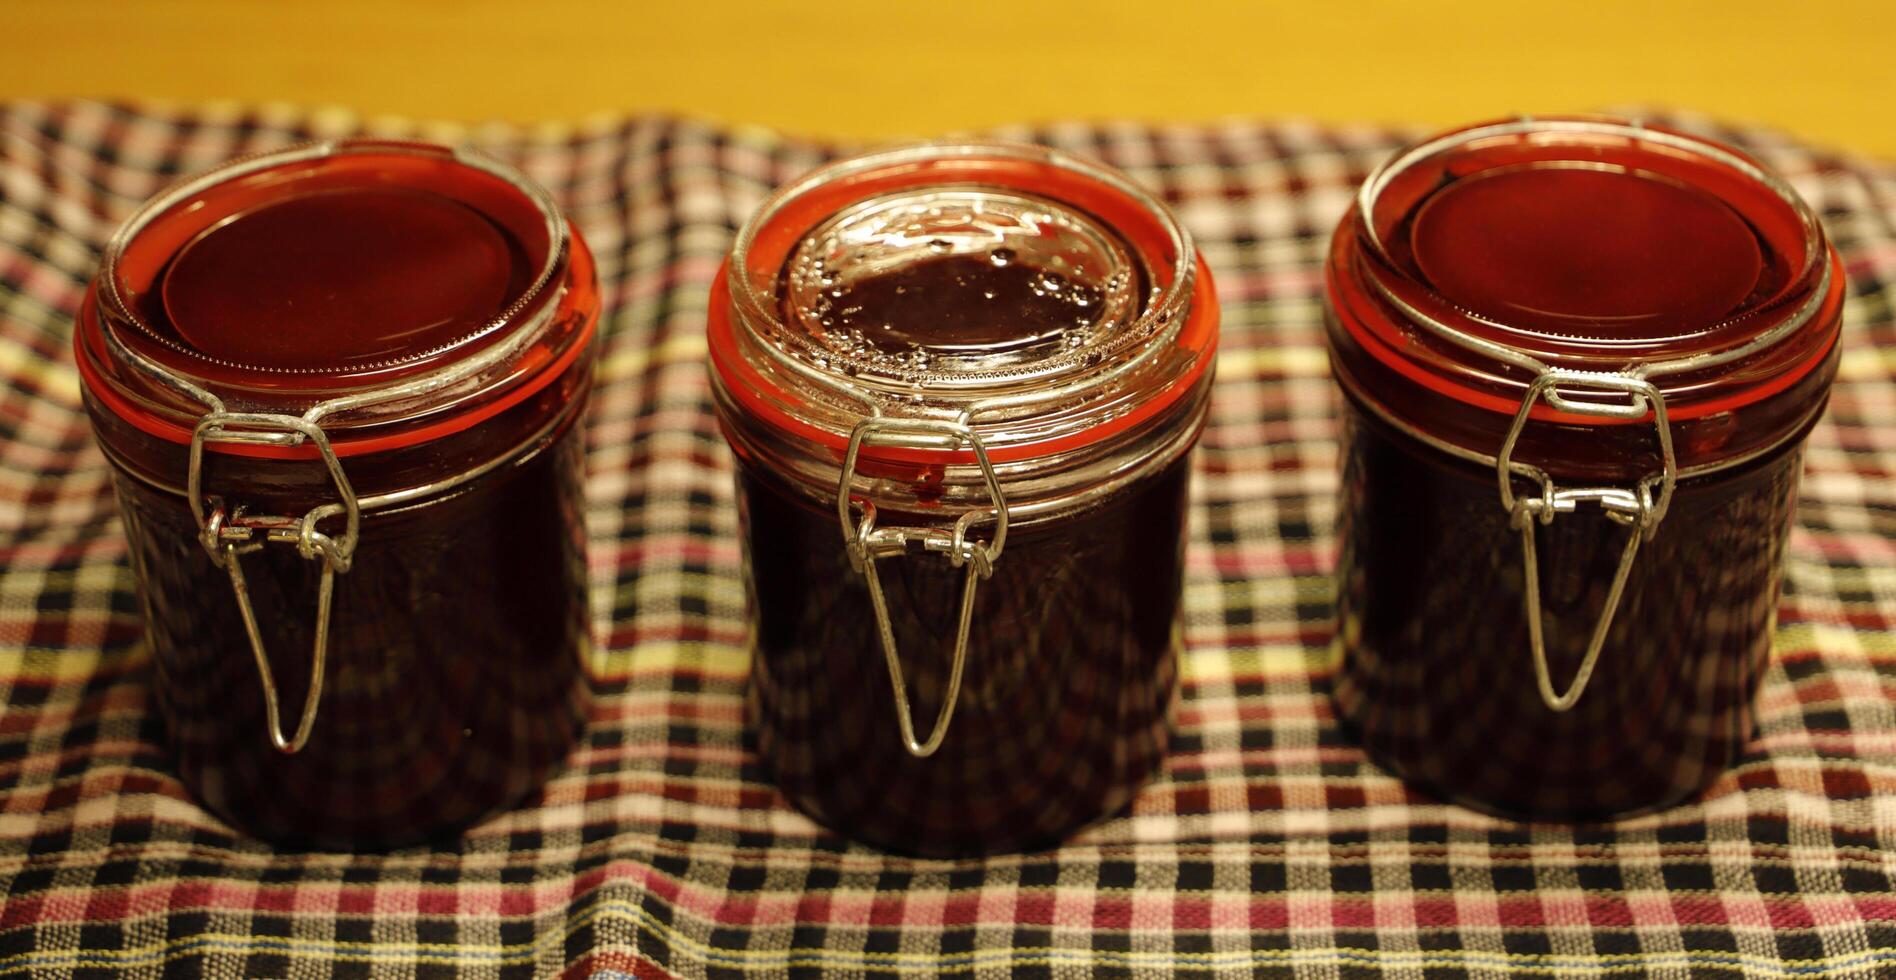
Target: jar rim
(1814,258)
(773,379)
(1675,396)
(142,376)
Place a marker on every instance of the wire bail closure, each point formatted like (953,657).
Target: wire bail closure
(864,542)
(228,533)
(1636,508)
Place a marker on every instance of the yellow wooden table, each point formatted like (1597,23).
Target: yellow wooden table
(869,69)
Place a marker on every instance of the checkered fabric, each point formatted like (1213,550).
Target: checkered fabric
(1267,845)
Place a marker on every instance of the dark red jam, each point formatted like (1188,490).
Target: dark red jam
(936,287)
(429,317)
(1067,691)
(1437,678)
(989,304)
(1597,257)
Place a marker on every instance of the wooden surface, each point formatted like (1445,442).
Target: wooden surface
(870,69)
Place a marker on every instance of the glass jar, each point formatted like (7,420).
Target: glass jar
(1579,358)
(961,383)
(341,388)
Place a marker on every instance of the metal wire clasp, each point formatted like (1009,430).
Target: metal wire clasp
(1637,508)
(865,542)
(228,532)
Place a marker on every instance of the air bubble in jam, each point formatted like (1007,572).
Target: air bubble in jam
(960,303)
(965,283)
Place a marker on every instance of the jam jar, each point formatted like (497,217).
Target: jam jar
(961,383)
(1579,358)
(341,388)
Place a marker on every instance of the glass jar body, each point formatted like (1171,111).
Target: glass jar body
(1071,672)
(961,383)
(455,679)
(1435,678)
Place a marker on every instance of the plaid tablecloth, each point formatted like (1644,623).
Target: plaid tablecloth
(1268,844)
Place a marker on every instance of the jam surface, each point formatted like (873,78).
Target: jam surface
(958,288)
(967,303)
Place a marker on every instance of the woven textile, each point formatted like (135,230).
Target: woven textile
(1268,844)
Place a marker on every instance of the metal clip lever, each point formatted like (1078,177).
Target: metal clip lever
(228,534)
(1638,508)
(865,543)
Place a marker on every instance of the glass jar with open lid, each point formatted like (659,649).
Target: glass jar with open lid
(1579,359)
(961,382)
(341,388)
